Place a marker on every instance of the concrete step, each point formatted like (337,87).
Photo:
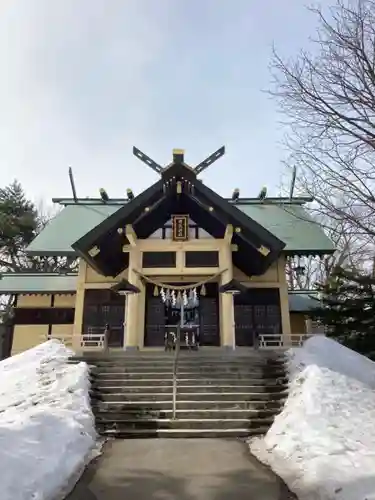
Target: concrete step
(182,433)
(192,372)
(188,362)
(254,377)
(185,389)
(213,413)
(186,423)
(236,395)
(135,396)
(129,388)
(104,383)
(229,388)
(192,396)
(201,354)
(201,414)
(192,405)
(127,376)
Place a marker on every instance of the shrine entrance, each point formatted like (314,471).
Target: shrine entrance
(195,308)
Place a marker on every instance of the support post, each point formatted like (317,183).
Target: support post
(227,323)
(228,233)
(132,340)
(130,234)
(79,305)
(284,302)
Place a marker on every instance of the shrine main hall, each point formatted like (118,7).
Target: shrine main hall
(177,253)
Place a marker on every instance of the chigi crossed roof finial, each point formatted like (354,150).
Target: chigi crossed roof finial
(178,159)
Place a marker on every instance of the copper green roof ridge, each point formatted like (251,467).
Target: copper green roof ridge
(298,200)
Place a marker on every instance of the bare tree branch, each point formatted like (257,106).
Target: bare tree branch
(328,100)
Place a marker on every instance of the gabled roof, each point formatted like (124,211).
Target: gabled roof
(179,192)
(289,221)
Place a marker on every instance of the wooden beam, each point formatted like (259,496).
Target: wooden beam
(263,250)
(228,233)
(94,251)
(130,234)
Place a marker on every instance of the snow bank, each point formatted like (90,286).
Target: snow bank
(47,432)
(323,442)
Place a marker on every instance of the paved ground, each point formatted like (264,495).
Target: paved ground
(183,469)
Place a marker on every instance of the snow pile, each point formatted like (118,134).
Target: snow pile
(47,432)
(323,442)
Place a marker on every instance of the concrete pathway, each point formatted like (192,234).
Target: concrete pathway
(183,469)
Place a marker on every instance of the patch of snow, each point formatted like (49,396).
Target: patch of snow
(47,432)
(323,442)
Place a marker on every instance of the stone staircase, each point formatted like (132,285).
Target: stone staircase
(228,395)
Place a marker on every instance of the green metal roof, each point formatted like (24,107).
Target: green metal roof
(292,224)
(12,283)
(67,227)
(302,301)
(289,222)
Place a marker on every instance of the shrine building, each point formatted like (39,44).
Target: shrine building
(177,253)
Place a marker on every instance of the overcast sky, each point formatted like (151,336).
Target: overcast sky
(82,81)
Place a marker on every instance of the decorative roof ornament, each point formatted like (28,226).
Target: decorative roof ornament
(178,159)
(103,195)
(235,194)
(263,193)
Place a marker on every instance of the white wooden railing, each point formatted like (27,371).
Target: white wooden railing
(86,341)
(99,341)
(280,341)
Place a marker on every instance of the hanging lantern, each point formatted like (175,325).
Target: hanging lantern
(203,290)
(156,291)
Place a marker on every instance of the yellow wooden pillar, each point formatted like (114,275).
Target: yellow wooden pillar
(141,314)
(79,304)
(226,304)
(134,302)
(284,301)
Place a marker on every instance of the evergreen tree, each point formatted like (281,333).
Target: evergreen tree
(18,226)
(20,222)
(347,310)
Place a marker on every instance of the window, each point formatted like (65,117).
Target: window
(201,259)
(43,316)
(159,259)
(62,316)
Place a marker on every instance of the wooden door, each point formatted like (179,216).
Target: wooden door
(155,322)
(209,321)
(102,308)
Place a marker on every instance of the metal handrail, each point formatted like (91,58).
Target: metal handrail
(175,370)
